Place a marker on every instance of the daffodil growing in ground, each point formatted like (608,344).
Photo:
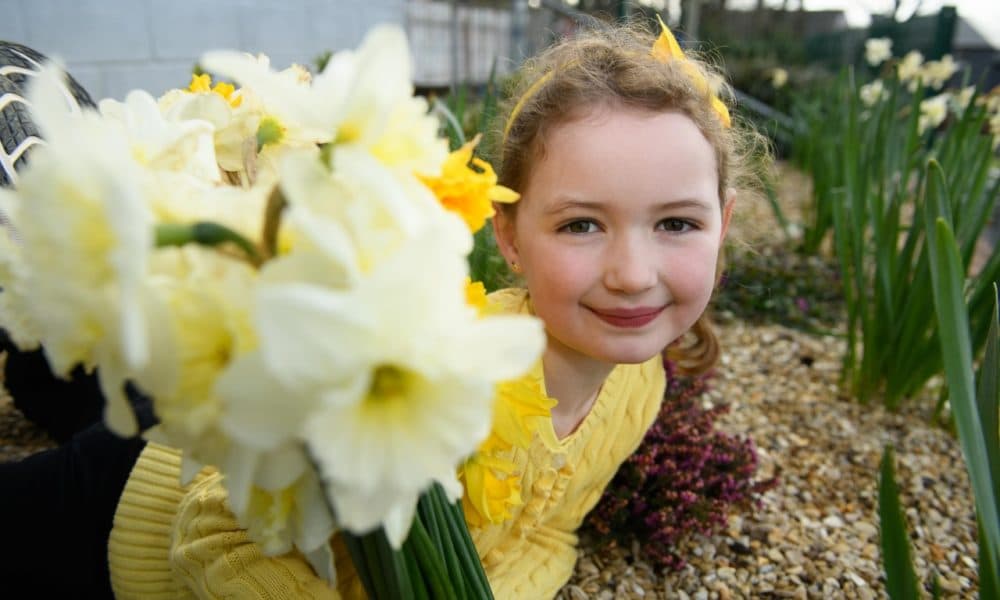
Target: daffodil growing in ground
(281,264)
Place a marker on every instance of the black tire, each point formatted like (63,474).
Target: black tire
(18,63)
(18,132)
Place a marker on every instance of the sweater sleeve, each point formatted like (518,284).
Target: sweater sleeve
(170,541)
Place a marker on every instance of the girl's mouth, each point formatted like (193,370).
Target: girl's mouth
(628,317)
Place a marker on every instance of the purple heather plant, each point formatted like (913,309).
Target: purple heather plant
(685,478)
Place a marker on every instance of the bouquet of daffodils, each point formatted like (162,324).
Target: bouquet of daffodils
(281,265)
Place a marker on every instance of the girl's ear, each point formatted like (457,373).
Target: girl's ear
(727,212)
(503,232)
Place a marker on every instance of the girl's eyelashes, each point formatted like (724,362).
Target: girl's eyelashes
(671,225)
(676,225)
(579,226)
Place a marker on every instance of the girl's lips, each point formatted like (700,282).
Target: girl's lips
(628,317)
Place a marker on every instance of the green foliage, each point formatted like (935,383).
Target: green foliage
(771,285)
(321,60)
(869,190)
(976,409)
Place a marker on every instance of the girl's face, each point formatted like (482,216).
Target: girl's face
(618,233)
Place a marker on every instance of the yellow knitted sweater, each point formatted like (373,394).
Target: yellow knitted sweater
(179,542)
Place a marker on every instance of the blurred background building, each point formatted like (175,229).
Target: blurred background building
(112,46)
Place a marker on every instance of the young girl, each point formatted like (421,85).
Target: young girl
(627,165)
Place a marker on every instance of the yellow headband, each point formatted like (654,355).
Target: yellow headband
(664,49)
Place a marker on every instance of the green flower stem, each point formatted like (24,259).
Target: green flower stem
(205,233)
(425,511)
(276,204)
(449,542)
(380,584)
(356,550)
(400,585)
(430,561)
(413,568)
(466,550)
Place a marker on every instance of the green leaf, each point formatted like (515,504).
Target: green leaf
(901,580)
(989,580)
(453,126)
(988,396)
(956,347)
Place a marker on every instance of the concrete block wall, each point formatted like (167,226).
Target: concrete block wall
(113,46)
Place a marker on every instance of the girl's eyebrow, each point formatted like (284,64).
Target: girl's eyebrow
(569,203)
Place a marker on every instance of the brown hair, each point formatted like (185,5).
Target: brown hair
(613,66)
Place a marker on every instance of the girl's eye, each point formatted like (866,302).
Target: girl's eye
(676,225)
(581,226)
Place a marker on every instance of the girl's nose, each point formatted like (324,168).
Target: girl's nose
(629,267)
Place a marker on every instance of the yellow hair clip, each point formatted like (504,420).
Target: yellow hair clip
(666,49)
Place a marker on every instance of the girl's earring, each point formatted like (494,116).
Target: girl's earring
(515,267)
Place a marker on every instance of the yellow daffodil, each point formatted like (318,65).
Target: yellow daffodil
(468,187)
(202,84)
(475,295)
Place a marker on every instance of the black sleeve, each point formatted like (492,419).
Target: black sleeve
(57,508)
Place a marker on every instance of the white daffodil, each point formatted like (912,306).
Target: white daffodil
(933,112)
(159,144)
(359,213)
(235,126)
(909,70)
(379,112)
(87,234)
(363,98)
(13,300)
(878,50)
(177,199)
(208,306)
(294,112)
(936,73)
(961,98)
(404,379)
(872,93)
